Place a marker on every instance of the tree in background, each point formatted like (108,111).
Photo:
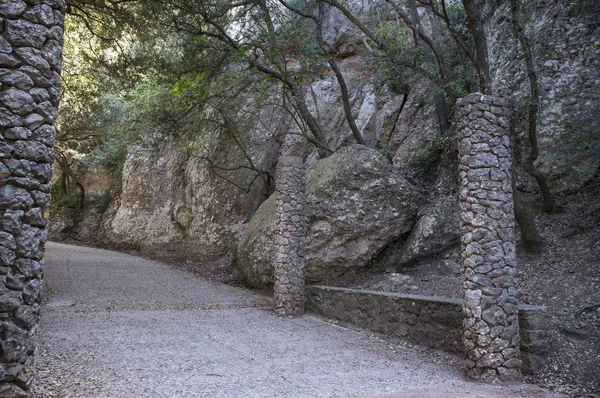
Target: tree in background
(145,55)
(472,44)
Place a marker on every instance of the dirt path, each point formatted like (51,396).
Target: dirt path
(115,325)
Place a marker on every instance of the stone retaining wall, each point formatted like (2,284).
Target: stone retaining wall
(430,321)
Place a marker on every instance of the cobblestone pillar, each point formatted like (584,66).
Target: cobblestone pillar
(30,64)
(290,237)
(491,333)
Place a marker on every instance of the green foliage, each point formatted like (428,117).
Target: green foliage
(64,204)
(110,156)
(189,89)
(102,201)
(137,72)
(428,155)
(393,75)
(396,37)
(462,71)
(465,78)
(583,141)
(408,59)
(376,266)
(391,69)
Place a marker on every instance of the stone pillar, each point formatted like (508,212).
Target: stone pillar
(30,64)
(491,326)
(290,237)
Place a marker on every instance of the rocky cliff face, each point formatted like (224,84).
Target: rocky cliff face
(366,205)
(171,200)
(173,203)
(565,38)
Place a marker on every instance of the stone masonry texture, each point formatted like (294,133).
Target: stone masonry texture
(30,65)
(434,322)
(290,236)
(491,325)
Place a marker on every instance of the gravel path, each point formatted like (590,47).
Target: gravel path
(115,325)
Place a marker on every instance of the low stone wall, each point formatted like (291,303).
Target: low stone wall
(430,321)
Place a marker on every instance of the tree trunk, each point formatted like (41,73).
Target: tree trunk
(481,51)
(530,237)
(340,78)
(533,105)
(313,125)
(441,109)
(82,197)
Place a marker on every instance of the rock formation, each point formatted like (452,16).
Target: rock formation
(356,206)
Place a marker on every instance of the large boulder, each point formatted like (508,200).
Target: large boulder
(436,230)
(255,250)
(356,206)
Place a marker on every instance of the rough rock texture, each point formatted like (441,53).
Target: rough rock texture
(340,37)
(415,124)
(254,254)
(172,202)
(393,283)
(491,325)
(208,215)
(290,237)
(152,187)
(398,124)
(566,44)
(30,66)
(97,182)
(356,206)
(430,321)
(99,186)
(325,103)
(215,212)
(436,230)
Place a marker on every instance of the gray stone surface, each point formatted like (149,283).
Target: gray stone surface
(340,36)
(115,325)
(429,321)
(491,326)
(356,205)
(290,236)
(171,199)
(565,38)
(436,230)
(169,194)
(25,173)
(254,254)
